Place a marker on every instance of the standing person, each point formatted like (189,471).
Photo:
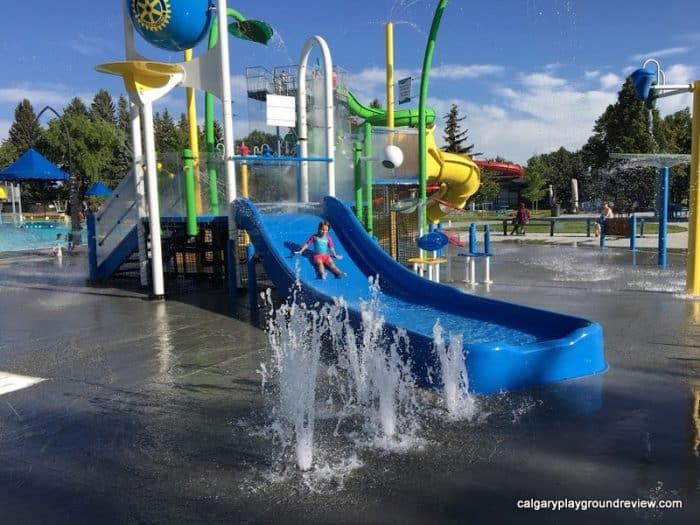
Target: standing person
(324,251)
(605,214)
(522,217)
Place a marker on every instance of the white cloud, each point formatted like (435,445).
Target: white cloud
(457,72)
(538,80)
(669,51)
(611,81)
(678,74)
(539,115)
(590,75)
(4,129)
(38,97)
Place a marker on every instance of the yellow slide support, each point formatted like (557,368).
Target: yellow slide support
(458,175)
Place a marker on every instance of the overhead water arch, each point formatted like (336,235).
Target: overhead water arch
(302,121)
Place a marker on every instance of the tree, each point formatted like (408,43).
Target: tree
(77,107)
(123,115)
(489,188)
(454,137)
(25,133)
(625,127)
(678,131)
(559,168)
(25,130)
(102,107)
(169,141)
(375,104)
(92,148)
(256,139)
(539,174)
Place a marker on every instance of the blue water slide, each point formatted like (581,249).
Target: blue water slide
(507,346)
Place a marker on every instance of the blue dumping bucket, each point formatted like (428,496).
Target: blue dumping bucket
(643,79)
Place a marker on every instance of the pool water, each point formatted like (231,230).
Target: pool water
(32,236)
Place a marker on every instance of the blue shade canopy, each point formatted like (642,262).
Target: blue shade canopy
(32,167)
(98,190)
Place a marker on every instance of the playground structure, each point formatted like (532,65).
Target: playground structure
(155,225)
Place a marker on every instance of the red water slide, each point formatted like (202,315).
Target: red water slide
(511,171)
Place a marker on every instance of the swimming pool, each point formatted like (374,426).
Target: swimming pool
(32,235)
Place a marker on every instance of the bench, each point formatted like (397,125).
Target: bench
(552,221)
(677,212)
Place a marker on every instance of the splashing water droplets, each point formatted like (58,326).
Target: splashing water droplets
(369,387)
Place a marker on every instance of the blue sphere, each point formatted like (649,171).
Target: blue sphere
(174,25)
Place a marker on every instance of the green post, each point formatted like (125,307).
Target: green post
(422,109)
(209,132)
(367,129)
(357,164)
(190,205)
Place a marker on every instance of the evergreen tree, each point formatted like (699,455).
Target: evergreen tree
(183,127)
(102,107)
(25,130)
(77,107)
(375,104)
(123,115)
(454,137)
(169,141)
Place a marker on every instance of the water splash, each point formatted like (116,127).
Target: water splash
(369,389)
(453,371)
(294,332)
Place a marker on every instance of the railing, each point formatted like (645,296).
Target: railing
(116,218)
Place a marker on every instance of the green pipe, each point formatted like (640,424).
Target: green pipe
(377,116)
(357,165)
(190,204)
(209,120)
(367,129)
(422,109)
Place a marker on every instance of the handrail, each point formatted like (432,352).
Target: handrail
(116,223)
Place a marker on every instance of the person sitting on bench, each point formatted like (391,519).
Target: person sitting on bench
(522,217)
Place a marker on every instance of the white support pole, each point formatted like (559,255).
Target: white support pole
(19,203)
(12,200)
(472,270)
(487,270)
(227,114)
(153,207)
(140,190)
(302,124)
(137,148)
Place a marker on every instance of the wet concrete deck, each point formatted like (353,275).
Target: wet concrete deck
(153,412)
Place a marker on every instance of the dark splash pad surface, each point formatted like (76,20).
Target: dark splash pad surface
(154,413)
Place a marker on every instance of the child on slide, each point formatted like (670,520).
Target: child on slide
(324,252)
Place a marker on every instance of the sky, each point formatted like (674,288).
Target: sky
(530,76)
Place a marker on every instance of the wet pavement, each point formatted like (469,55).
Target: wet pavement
(154,413)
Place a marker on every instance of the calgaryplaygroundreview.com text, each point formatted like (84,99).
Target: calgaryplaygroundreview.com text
(596,504)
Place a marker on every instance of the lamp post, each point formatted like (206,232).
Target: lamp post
(72,180)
